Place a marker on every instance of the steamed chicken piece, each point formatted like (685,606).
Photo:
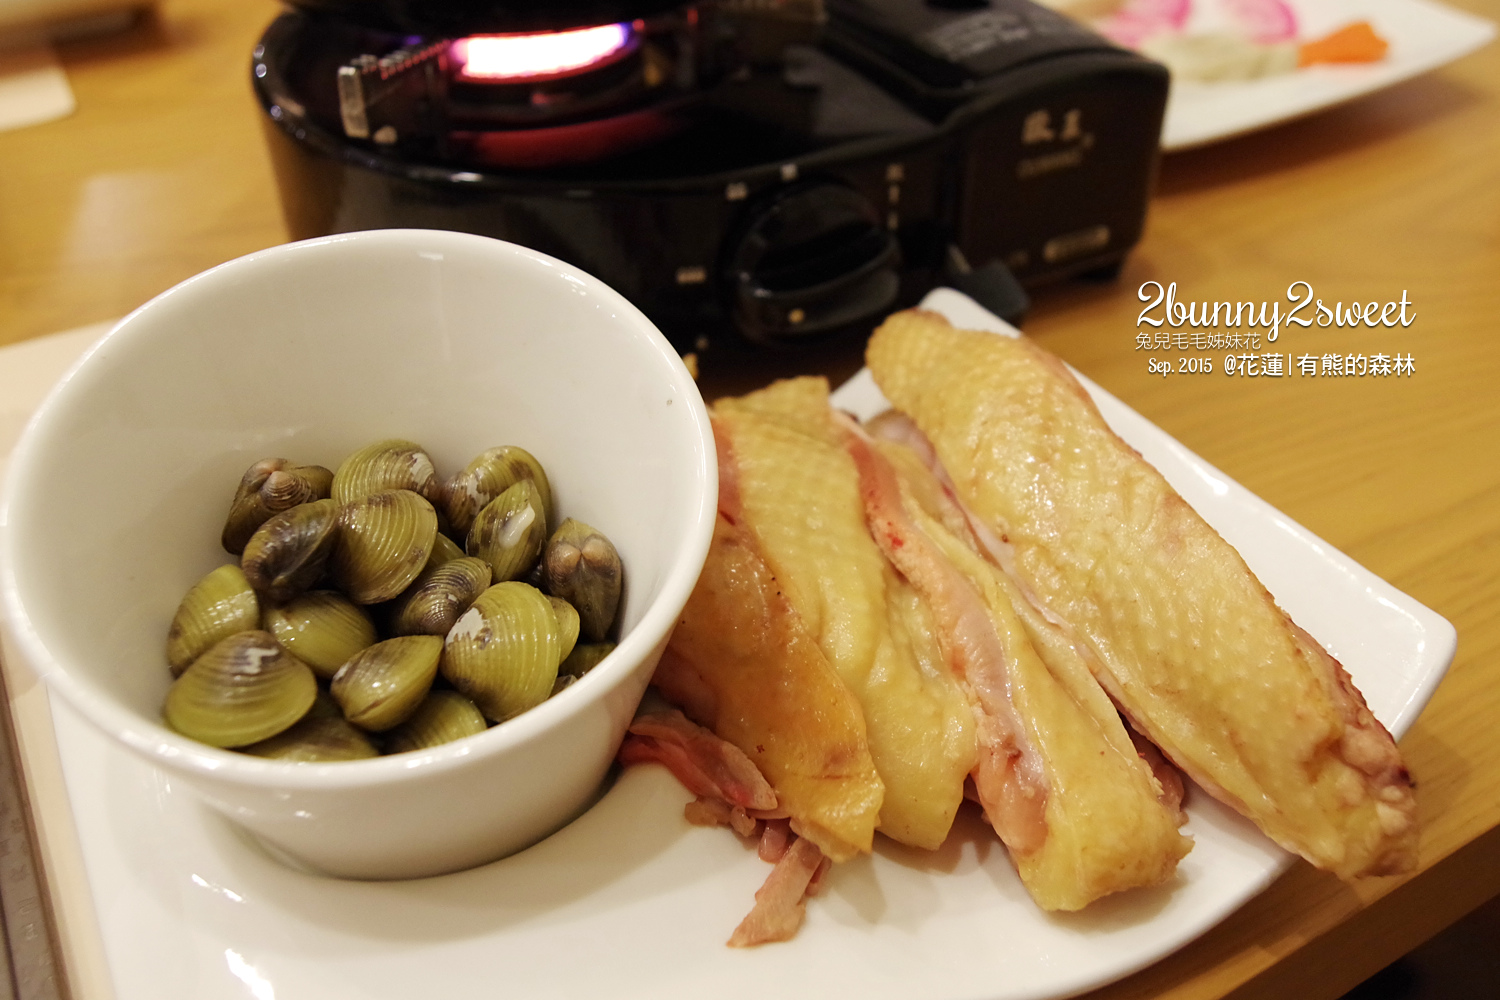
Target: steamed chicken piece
(731,792)
(742,663)
(800,493)
(1059,779)
(926,485)
(779,907)
(1182,635)
(926,489)
(707,766)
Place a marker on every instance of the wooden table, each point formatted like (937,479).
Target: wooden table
(162,173)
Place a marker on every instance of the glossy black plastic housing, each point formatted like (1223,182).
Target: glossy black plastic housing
(779,204)
(660,224)
(456,18)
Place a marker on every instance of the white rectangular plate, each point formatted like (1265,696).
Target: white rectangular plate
(1423,36)
(631,901)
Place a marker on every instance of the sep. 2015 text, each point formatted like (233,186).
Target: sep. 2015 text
(1194,366)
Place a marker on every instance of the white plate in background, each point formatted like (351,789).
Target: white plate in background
(631,901)
(1423,35)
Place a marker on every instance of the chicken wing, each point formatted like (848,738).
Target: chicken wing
(1178,630)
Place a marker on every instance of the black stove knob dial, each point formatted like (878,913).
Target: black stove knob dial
(812,258)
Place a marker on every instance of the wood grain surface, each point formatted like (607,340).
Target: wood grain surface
(162,172)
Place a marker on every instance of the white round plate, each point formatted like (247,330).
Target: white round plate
(631,901)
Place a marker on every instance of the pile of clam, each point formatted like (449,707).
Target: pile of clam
(381,609)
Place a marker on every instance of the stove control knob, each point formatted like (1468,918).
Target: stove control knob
(811,258)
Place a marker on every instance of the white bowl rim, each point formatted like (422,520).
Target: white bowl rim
(156,742)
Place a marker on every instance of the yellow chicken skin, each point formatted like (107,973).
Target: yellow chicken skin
(1180,633)
(1059,779)
(800,495)
(742,664)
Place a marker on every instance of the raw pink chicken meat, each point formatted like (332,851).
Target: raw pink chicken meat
(732,792)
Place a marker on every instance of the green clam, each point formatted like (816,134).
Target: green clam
(471,489)
(393,464)
(510,531)
(444,549)
(385,683)
(269,487)
(584,657)
(444,560)
(321,628)
(245,689)
(444,716)
(214,608)
(504,651)
(567,624)
(324,707)
(435,599)
(580,661)
(316,739)
(385,539)
(581,566)
(290,551)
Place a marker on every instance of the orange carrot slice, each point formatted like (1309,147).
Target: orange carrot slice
(1353,43)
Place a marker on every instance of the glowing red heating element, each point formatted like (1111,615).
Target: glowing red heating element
(500,58)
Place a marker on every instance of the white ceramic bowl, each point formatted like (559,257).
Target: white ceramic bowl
(117,492)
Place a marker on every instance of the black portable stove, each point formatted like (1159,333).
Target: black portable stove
(781,169)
